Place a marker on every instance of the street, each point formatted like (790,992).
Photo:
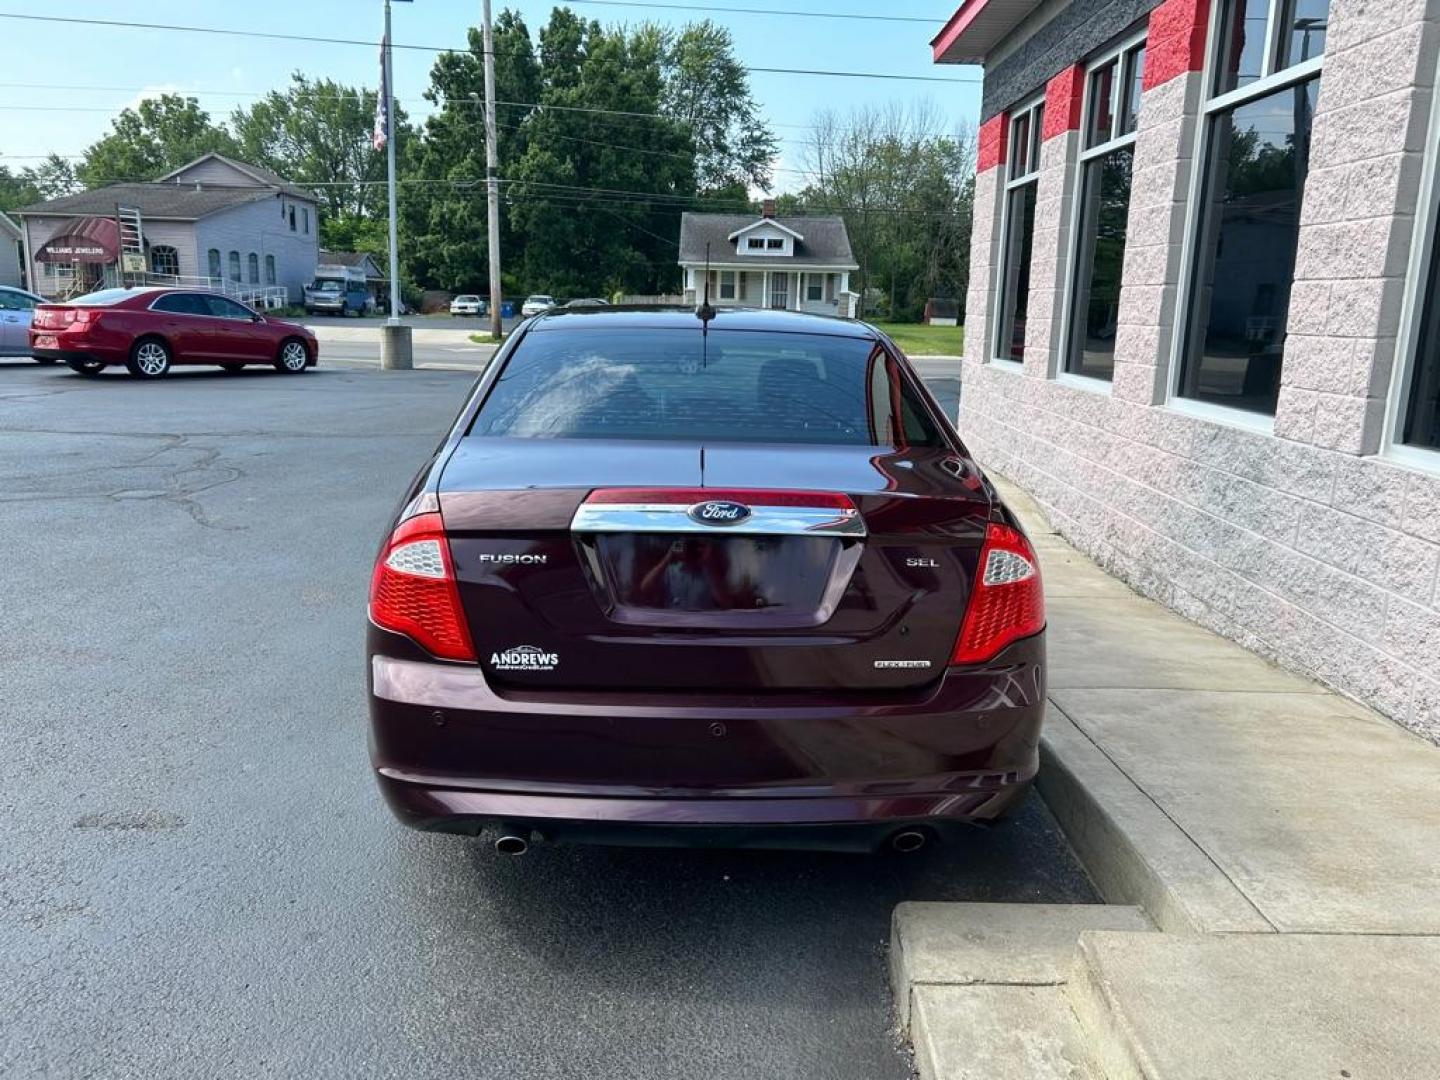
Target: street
(197,876)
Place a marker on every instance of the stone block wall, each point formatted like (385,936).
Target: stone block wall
(1305,544)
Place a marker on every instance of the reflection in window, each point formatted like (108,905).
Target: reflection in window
(1019,237)
(1104,214)
(1420,415)
(1258,159)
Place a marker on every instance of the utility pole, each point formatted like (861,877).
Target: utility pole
(492,171)
(396,352)
(387,87)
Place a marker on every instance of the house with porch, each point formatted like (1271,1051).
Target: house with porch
(216,222)
(792,263)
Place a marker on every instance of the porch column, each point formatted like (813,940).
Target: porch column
(765,288)
(794,299)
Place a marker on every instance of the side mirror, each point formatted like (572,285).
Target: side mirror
(257,317)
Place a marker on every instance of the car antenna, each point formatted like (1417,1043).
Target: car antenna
(705,312)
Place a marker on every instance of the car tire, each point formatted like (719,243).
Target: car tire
(232,369)
(149,359)
(44,359)
(88,368)
(293,358)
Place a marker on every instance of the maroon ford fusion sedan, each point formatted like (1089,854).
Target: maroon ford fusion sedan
(728,582)
(150,330)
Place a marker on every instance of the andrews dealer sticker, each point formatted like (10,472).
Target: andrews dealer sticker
(524,658)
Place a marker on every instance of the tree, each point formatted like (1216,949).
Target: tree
(443,204)
(600,212)
(146,142)
(906,191)
(52,178)
(708,90)
(319,133)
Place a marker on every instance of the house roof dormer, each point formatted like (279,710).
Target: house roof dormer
(762,223)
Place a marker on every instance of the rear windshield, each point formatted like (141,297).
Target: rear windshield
(103,298)
(731,386)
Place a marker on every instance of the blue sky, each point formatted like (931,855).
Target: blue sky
(226,71)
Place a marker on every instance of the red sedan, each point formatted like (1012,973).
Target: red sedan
(152,330)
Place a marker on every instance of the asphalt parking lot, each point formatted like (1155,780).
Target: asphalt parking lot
(197,877)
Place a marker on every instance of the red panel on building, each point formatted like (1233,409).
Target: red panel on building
(1176,41)
(1064,95)
(993,133)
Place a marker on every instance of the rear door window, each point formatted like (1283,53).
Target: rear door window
(727,386)
(181,304)
(222,308)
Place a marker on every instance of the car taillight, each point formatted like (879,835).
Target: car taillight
(86,319)
(1007,603)
(413,590)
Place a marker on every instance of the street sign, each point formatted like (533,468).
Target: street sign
(132,263)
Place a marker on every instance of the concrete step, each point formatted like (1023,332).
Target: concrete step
(1259,1006)
(980,987)
(997,1033)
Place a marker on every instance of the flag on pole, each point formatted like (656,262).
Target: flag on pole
(380,135)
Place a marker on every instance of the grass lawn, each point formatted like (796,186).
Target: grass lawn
(918,339)
(485,339)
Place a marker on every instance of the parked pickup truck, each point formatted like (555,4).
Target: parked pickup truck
(338,290)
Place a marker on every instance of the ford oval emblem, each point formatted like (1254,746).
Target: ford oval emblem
(719,512)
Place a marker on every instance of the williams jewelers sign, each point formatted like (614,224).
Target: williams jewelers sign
(86,240)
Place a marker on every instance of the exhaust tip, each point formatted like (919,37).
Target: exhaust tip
(509,844)
(908,840)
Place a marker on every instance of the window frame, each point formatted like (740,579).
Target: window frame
(720,285)
(233,265)
(1421,278)
(1273,79)
(270,275)
(1136,39)
(1032,108)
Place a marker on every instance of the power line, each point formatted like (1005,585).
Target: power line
(314,40)
(938,21)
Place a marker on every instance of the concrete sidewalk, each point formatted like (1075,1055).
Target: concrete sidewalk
(1295,831)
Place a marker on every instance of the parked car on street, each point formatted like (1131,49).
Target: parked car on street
(586,301)
(17,307)
(535,304)
(150,331)
(469,304)
(731,582)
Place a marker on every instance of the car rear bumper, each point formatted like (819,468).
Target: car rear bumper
(72,355)
(452,754)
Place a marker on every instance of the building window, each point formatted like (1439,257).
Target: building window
(1420,403)
(292,219)
(164,260)
(774,243)
(305,217)
(1112,111)
(269,269)
(755,243)
(253,264)
(234,266)
(1022,184)
(213,259)
(1256,154)
(814,287)
(727,284)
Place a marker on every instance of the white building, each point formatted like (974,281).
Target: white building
(215,221)
(797,263)
(10,253)
(1203,327)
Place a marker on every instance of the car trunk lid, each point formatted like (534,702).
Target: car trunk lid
(605,571)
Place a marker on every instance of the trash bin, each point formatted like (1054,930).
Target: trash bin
(507,309)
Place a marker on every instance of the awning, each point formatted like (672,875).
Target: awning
(85,240)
